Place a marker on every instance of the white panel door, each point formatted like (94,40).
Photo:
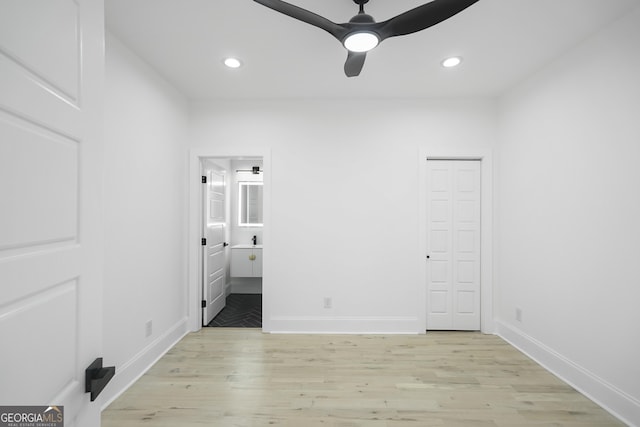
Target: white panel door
(51,79)
(453,245)
(214,253)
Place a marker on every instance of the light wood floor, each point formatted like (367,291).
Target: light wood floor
(241,377)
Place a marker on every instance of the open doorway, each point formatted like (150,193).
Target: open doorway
(231,224)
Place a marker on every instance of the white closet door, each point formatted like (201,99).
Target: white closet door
(453,245)
(51,80)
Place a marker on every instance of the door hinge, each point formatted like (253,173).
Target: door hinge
(204,242)
(204,303)
(204,179)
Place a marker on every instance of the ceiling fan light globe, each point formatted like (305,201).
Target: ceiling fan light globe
(361,41)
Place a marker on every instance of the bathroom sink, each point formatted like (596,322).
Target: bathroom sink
(247,246)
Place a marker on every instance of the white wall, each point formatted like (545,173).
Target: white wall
(145,211)
(569,216)
(344,183)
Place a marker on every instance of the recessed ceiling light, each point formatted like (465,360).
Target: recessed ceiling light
(232,62)
(454,61)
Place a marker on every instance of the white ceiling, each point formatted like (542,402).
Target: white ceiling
(502,41)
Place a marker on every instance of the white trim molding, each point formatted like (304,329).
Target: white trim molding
(138,365)
(618,403)
(194,298)
(486,230)
(344,324)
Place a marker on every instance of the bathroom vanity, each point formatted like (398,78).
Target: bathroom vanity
(246,261)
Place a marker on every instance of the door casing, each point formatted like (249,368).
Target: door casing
(484,155)
(195,220)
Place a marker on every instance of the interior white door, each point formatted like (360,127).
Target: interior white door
(453,245)
(51,79)
(214,253)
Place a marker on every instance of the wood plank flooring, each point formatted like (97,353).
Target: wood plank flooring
(242,377)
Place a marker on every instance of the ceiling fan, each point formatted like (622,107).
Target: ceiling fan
(362,33)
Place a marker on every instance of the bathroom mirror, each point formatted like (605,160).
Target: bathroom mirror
(250,206)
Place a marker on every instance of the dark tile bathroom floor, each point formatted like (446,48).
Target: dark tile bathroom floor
(241,311)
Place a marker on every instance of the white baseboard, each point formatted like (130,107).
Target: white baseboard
(131,371)
(342,325)
(618,403)
(242,285)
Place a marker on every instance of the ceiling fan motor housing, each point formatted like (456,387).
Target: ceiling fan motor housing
(362,33)
(362,18)
(362,25)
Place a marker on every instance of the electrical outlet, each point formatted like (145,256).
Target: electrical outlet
(327,302)
(148,328)
(518,314)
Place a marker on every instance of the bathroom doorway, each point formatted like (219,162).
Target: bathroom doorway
(232,244)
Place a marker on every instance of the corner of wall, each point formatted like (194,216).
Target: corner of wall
(140,363)
(614,400)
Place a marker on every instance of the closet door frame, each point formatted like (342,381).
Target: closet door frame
(486,229)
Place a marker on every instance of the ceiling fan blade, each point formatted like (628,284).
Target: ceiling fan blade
(304,15)
(422,17)
(354,64)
